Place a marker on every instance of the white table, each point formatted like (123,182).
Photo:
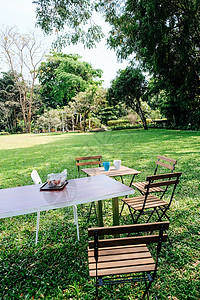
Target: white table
(29,199)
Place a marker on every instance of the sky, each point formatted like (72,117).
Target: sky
(21,13)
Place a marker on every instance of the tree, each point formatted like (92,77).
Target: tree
(71,14)
(49,120)
(9,102)
(162,34)
(62,76)
(89,102)
(23,55)
(129,87)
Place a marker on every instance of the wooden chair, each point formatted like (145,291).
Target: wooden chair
(162,163)
(125,255)
(88,161)
(149,203)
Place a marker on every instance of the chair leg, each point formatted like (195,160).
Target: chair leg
(122,209)
(151,215)
(164,210)
(96,292)
(146,292)
(76,221)
(37,227)
(134,221)
(140,213)
(95,211)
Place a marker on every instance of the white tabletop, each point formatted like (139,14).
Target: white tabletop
(28,199)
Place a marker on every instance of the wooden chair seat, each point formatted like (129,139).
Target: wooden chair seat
(123,250)
(141,187)
(137,202)
(149,203)
(121,260)
(162,163)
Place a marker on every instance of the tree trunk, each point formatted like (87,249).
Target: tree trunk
(66,126)
(84,122)
(29,116)
(81,122)
(141,114)
(72,122)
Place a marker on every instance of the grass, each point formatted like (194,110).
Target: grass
(57,267)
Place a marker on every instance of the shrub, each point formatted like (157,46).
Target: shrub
(126,127)
(118,122)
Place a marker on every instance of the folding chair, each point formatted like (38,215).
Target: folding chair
(150,204)
(162,163)
(128,257)
(37,180)
(88,161)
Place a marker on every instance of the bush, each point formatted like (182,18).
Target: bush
(126,127)
(118,122)
(4,133)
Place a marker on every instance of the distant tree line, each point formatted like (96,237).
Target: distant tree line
(163,36)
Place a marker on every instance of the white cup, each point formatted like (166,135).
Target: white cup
(117,164)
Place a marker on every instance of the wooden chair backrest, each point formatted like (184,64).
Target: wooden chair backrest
(168,163)
(88,160)
(173,179)
(127,229)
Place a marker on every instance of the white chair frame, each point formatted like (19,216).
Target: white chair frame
(37,180)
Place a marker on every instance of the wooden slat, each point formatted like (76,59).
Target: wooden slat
(123,257)
(123,270)
(119,250)
(151,202)
(128,241)
(171,160)
(88,157)
(170,167)
(121,263)
(140,186)
(89,163)
(128,229)
(148,205)
(140,199)
(163,176)
(162,183)
(131,201)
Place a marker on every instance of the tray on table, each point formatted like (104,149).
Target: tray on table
(46,187)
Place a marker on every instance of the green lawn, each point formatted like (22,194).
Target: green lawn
(57,267)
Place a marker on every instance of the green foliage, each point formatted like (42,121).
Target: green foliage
(63,76)
(129,86)
(65,15)
(111,113)
(122,127)
(89,102)
(9,102)
(57,267)
(117,122)
(48,120)
(164,36)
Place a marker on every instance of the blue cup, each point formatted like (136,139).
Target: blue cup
(106,165)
